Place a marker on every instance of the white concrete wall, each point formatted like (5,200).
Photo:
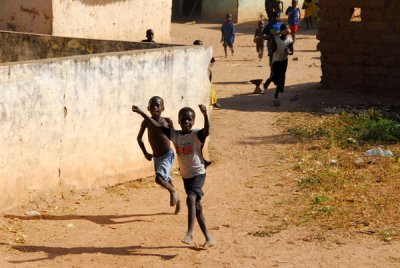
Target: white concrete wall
(112,19)
(94,143)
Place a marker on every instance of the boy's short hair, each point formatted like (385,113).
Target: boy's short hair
(154,98)
(283,27)
(150,31)
(185,110)
(228,15)
(197,43)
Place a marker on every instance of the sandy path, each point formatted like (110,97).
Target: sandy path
(132,226)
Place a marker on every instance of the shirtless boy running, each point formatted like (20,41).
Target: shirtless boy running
(163,155)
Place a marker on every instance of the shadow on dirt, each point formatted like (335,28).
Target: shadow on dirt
(54,252)
(307,97)
(98,219)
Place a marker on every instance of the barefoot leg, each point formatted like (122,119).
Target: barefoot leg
(191,205)
(170,187)
(188,239)
(202,223)
(178,205)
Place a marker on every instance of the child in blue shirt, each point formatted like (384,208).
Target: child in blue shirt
(294,16)
(228,34)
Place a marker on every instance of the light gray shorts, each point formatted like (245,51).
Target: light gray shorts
(163,165)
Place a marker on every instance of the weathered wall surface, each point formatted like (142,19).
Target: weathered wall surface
(250,10)
(216,10)
(92,141)
(26,16)
(361,53)
(112,19)
(23,47)
(241,10)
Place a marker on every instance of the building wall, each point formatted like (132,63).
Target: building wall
(360,53)
(26,16)
(67,123)
(36,47)
(216,10)
(242,10)
(125,20)
(112,19)
(251,10)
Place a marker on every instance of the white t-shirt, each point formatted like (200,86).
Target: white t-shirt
(280,53)
(188,149)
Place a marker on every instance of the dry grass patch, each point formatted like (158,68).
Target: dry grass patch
(339,187)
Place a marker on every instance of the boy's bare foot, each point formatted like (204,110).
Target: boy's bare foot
(188,239)
(173,198)
(209,243)
(178,206)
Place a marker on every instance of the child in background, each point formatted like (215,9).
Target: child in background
(228,34)
(149,36)
(310,10)
(163,155)
(278,8)
(273,25)
(259,40)
(294,16)
(188,144)
(282,47)
(213,93)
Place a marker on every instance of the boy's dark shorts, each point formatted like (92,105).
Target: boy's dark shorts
(194,186)
(227,43)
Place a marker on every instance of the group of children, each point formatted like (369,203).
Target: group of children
(189,142)
(188,145)
(279,45)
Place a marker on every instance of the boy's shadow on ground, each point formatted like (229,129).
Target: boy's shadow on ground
(54,252)
(98,219)
(307,97)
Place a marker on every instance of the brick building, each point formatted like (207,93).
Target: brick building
(358,43)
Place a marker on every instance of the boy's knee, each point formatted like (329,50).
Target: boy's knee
(199,208)
(190,199)
(159,179)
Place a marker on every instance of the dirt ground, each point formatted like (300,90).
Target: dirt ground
(131,225)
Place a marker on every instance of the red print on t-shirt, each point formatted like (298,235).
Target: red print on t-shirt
(184,150)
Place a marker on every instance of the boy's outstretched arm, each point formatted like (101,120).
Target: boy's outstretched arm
(152,123)
(206,129)
(141,143)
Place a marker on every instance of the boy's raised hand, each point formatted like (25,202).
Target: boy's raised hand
(148,156)
(136,109)
(203,109)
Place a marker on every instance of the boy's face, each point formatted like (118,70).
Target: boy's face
(156,107)
(229,18)
(294,3)
(186,121)
(150,35)
(260,24)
